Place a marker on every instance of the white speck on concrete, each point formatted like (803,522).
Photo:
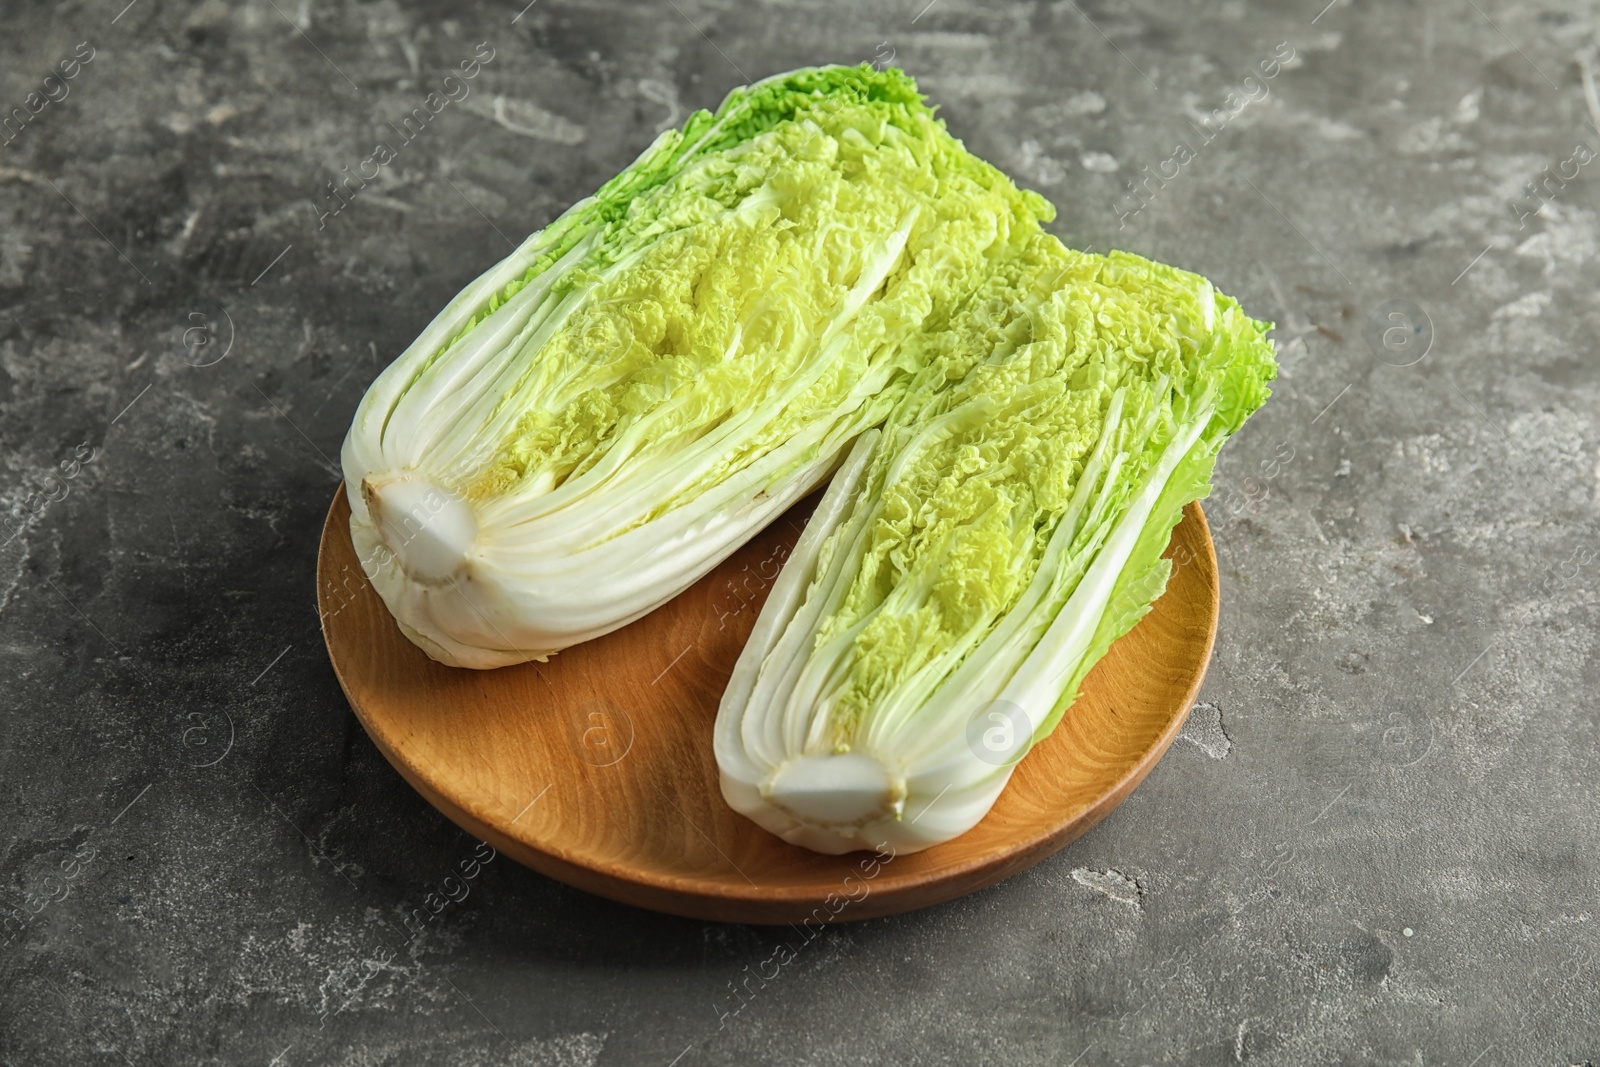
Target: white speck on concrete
(1099,162)
(1084,103)
(1113,883)
(528,119)
(1203,729)
(566,1050)
(1526,307)
(13,561)
(1039,166)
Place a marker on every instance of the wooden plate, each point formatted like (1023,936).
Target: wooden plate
(596,768)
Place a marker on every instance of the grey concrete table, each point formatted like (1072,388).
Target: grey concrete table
(1375,841)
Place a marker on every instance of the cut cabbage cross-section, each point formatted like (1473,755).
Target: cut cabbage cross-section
(971,561)
(601,418)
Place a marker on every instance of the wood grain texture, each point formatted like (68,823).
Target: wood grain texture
(596,768)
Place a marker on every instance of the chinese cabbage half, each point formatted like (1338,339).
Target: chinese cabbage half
(601,418)
(973,559)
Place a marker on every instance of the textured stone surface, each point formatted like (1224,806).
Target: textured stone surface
(1380,847)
